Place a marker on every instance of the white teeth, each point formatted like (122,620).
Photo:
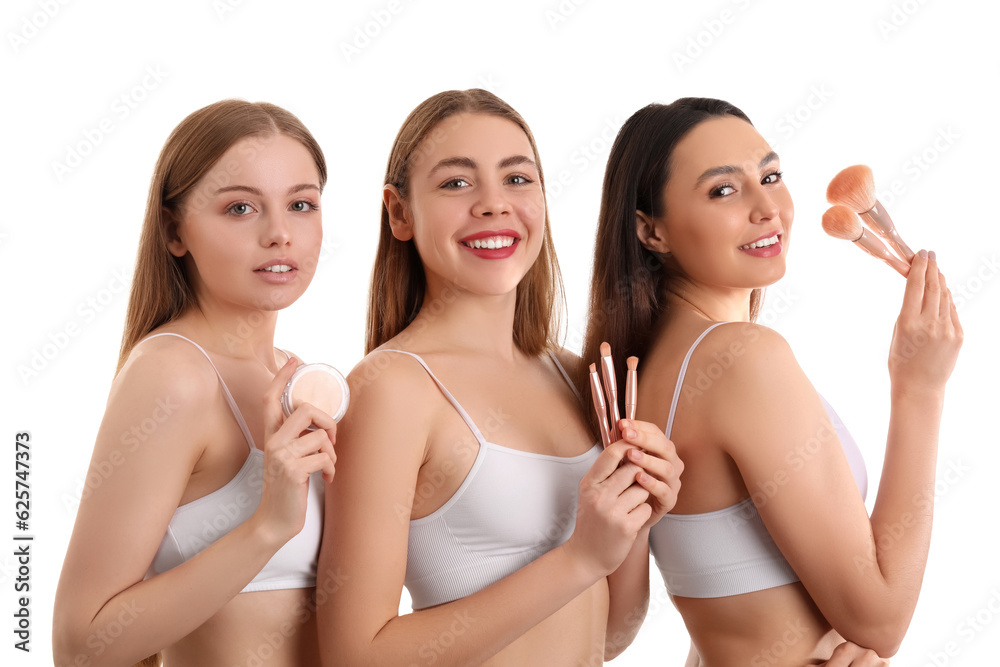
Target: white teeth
(491,243)
(277,268)
(763,243)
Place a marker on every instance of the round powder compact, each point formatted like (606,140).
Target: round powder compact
(321,385)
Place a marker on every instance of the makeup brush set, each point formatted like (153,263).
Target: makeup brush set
(852,193)
(607,408)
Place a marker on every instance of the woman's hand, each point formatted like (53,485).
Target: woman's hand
(850,654)
(611,510)
(927,335)
(661,469)
(291,455)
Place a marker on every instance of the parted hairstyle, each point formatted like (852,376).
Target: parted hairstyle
(161,289)
(398,283)
(630,283)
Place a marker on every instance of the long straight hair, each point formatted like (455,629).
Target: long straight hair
(630,282)
(398,283)
(161,289)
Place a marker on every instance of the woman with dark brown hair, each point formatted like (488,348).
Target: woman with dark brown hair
(513,554)
(769,555)
(201,542)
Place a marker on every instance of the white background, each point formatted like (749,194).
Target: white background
(831,84)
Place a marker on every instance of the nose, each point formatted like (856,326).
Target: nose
(765,207)
(492,200)
(277,229)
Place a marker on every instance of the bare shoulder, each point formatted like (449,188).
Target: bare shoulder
(745,351)
(170,367)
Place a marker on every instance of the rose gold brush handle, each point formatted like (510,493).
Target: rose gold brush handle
(611,391)
(880,222)
(877,249)
(631,387)
(597,393)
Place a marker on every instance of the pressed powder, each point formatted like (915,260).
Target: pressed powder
(320,385)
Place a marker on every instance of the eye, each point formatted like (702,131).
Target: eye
(455,184)
(519,179)
(303,206)
(722,191)
(773,177)
(240,208)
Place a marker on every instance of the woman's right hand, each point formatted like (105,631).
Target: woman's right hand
(291,455)
(611,510)
(850,654)
(928,335)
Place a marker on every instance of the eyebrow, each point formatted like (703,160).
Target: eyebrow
(468,163)
(731,169)
(254,191)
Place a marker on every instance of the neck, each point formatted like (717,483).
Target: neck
(238,332)
(717,304)
(455,319)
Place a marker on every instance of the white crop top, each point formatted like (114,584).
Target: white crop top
(199,523)
(512,507)
(729,551)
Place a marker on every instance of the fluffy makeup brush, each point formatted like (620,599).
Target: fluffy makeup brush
(842,223)
(854,188)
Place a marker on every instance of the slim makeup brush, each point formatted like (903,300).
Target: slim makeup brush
(631,386)
(842,223)
(611,387)
(598,395)
(854,188)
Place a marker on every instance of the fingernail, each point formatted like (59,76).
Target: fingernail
(932,256)
(635,454)
(923,253)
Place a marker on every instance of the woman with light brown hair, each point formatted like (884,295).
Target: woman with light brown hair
(518,553)
(202,541)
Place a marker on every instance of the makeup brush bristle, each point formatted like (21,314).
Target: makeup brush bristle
(605,350)
(593,368)
(854,188)
(632,363)
(842,223)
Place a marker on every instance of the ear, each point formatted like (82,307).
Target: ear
(651,233)
(399,213)
(175,244)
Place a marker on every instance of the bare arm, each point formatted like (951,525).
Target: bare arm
(867,580)
(381,448)
(121,522)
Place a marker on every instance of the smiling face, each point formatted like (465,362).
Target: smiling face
(250,231)
(727,213)
(474,206)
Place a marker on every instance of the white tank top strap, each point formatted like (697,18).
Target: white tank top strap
(447,394)
(680,377)
(565,375)
(229,397)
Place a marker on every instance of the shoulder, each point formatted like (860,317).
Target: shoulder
(744,350)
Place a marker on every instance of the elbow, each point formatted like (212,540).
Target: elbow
(883,635)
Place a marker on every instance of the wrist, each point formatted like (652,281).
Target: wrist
(577,565)
(924,396)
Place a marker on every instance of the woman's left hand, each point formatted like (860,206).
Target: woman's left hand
(661,468)
(850,654)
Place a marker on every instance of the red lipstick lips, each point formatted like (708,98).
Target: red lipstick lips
(490,244)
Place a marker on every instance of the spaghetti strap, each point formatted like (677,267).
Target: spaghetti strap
(447,394)
(680,377)
(565,375)
(229,397)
